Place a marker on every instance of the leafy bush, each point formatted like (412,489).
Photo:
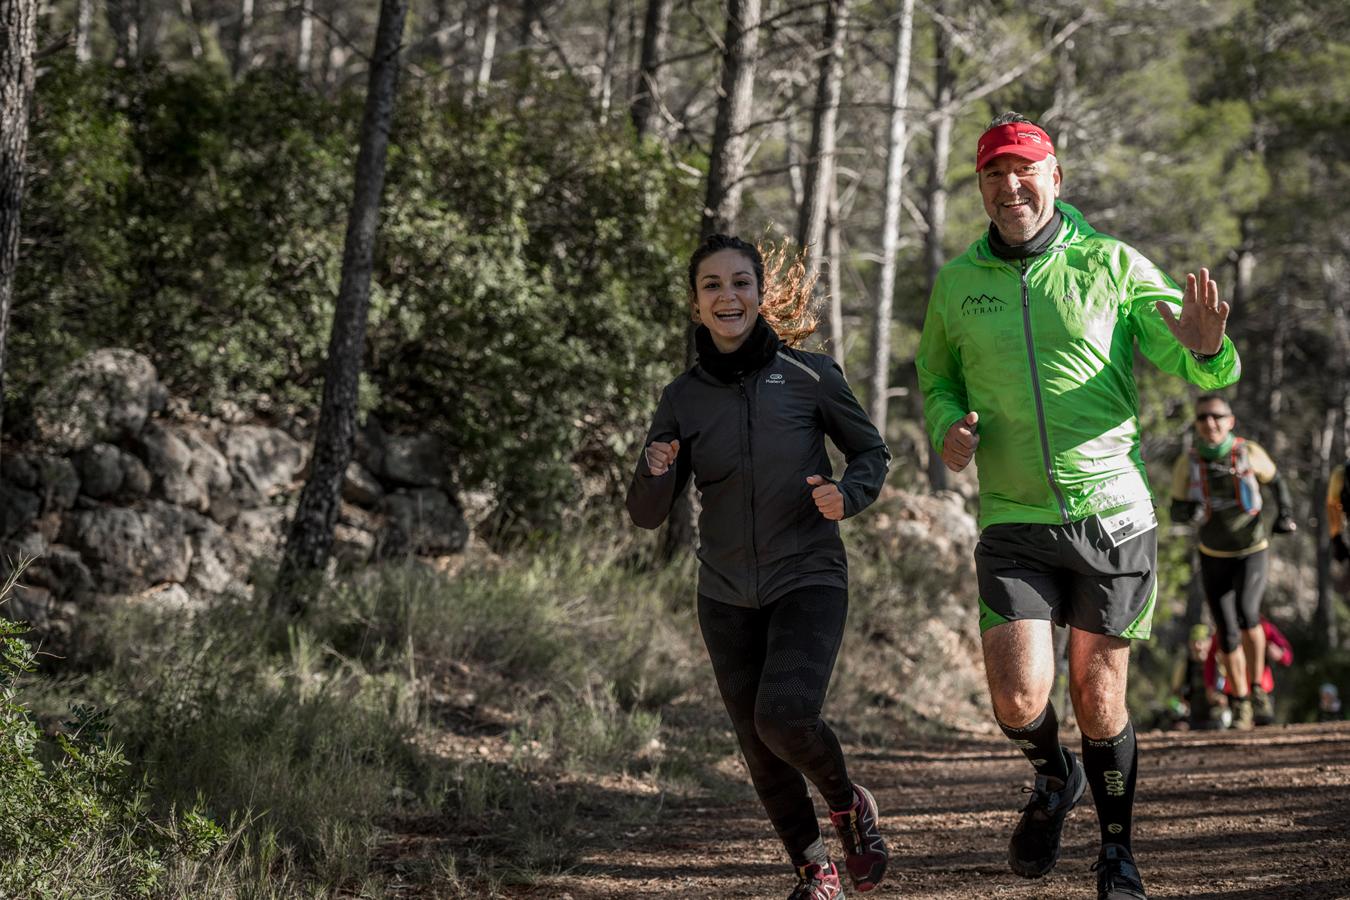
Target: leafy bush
(76,824)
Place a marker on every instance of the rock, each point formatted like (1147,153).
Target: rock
(58,482)
(359,486)
(18,509)
(423,521)
(62,571)
(188,468)
(136,478)
(262,461)
(170,462)
(414,460)
(100,469)
(129,550)
(260,534)
(215,562)
(351,545)
(20,470)
(105,396)
(167,597)
(29,603)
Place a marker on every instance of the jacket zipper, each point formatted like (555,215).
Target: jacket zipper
(1036,392)
(750,493)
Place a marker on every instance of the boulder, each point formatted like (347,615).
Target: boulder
(100,469)
(62,571)
(260,533)
(18,509)
(105,396)
(410,460)
(29,603)
(130,550)
(216,566)
(262,461)
(58,482)
(188,468)
(19,469)
(359,486)
(424,521)
(352,545)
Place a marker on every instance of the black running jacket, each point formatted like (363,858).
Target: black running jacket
(750,445)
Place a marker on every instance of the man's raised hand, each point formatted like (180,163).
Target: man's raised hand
(827,497)
(661,456)
(1203,315)
(960,443)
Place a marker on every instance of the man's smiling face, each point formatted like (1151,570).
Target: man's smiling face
(1019,194)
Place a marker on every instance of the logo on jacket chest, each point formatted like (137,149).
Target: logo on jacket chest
(775,378)
(982,305)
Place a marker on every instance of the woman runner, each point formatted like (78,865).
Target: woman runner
(749,422)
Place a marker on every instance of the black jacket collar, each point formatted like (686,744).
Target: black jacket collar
(1038,244)
(759,347)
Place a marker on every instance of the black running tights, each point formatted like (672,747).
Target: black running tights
(773,667)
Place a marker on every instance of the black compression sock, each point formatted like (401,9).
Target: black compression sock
(1111,766)
(1039,740)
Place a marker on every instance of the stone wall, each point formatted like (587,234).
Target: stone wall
(125,495)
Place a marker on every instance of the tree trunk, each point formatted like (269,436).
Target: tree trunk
(84,25)
(489,50)
(608,60)
(243,48)
(890,229)
(529,24)
(1324,618)
(820,159)
(194,32)
(647,100)
(310,540)
(18,43)
(304,51)
(834,270)
(124,22)
(944,91)
(722,202)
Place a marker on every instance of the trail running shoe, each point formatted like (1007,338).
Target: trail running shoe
(1243,718)
(817,882)
(1117,875)
(1034,848)
(1263,707)
(864,851)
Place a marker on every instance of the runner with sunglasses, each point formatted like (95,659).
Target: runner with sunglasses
(1217,486)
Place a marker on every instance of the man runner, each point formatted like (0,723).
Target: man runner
(1219,482)
(1027,354)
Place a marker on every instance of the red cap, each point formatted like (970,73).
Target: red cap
(1018,138)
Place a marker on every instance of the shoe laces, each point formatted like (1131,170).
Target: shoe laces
(1042,797)
(812,877)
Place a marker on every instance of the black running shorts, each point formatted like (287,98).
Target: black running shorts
(1073,574)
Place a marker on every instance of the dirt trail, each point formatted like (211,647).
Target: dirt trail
(1264,814)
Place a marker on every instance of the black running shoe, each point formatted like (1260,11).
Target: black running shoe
(1117,875)
(817,882)
(864,851)
(1034,848)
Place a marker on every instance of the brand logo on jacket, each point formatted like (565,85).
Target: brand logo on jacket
(982,305)
(775,378)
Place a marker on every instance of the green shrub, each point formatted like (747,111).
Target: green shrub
(73,821)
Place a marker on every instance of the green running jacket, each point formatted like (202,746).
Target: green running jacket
(1043,350)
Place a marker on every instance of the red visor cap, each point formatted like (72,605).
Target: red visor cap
(1018,138)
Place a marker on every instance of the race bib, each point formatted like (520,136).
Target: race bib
(1128,523)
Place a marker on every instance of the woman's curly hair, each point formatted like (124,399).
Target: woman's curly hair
(786,291)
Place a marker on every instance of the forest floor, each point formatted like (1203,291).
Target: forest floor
(1263,814)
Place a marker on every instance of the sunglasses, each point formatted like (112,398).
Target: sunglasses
(1201,417)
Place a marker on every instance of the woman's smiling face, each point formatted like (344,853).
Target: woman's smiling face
(727,296)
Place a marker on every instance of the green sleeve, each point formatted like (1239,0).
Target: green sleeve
(1144,285)
(940,377)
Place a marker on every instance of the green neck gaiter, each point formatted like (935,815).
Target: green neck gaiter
(1216,451)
